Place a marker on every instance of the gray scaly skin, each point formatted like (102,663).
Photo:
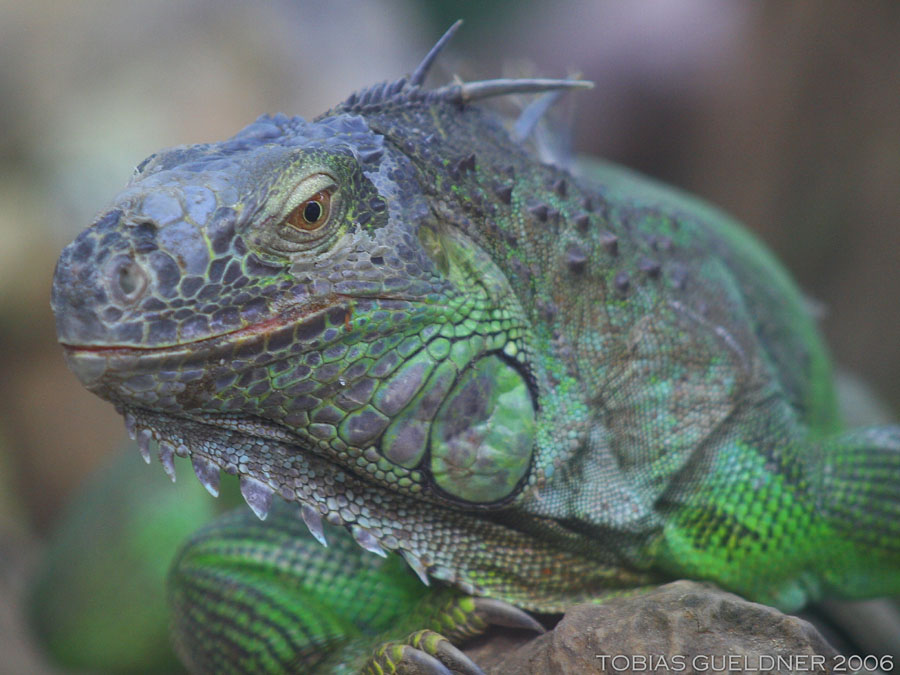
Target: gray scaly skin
(536,387)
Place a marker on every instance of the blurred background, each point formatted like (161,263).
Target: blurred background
(787,115)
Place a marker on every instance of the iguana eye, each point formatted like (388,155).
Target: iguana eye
(311,214)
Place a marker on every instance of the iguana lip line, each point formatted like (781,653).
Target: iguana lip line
(253,330)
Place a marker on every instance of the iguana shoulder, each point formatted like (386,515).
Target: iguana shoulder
(783,318)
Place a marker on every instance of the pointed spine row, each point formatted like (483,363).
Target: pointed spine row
(259,495)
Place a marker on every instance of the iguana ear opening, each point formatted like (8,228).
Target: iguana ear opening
(464,263)
(433,245)
(470,269)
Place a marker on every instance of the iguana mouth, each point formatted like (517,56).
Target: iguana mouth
(252,330)
(261,329)
(257,330)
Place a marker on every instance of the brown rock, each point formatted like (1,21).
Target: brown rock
(682,627)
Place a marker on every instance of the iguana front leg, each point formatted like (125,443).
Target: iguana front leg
(266,597)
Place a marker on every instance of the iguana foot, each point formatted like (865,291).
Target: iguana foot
(459,618)
(424,652)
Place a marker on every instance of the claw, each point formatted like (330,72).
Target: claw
(143,440)
(417,566)
(501,613)
(314,522)
(426,663)
(258,496)
(367,540)
(457,661)
(207,473)
(167,459)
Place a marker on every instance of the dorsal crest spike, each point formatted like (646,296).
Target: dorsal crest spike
(474,91)
(421,72)
(532,114)
(407,90)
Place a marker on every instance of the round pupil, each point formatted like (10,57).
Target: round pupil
(312,211)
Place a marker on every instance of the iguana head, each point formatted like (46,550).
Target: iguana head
(309,293)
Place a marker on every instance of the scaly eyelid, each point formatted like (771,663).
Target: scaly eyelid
(307,188)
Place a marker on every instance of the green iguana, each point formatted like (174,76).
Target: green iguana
(536,387)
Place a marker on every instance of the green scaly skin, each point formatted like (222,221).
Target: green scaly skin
(535,386)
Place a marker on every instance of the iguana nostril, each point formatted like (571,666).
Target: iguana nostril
(127,279)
